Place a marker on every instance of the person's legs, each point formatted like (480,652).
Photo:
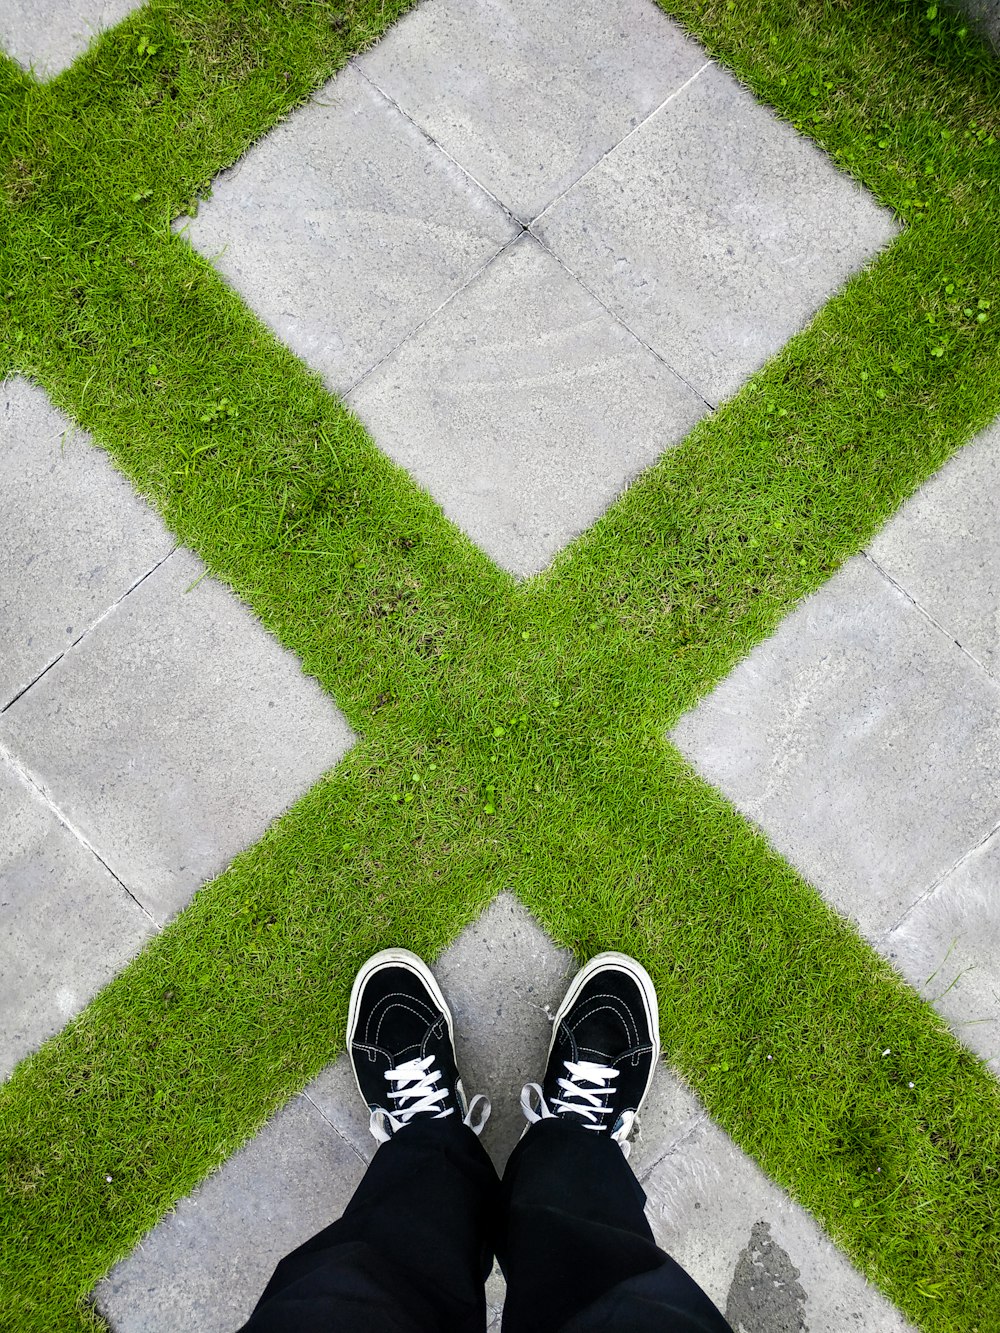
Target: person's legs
(412,1251)
(574,1243)
(576,1249)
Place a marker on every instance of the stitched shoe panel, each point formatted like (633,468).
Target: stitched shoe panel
(399,1034)
(605,1044)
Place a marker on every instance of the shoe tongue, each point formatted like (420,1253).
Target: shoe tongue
(602,1025)
(599,1057)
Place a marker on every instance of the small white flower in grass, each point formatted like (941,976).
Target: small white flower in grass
(909,1085)
(108,1179)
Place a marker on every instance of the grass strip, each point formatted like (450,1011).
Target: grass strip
(710,548)
(212,1027)
(133,132)
(244,998)
(421,642)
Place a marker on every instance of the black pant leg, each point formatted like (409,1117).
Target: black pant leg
(411,1252)
(576,1249)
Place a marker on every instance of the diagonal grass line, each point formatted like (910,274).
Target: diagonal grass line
(219,76)
(336,548)
(711,547)
(244,997)
(600,829)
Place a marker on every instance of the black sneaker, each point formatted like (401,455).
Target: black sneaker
(400,1037)
(605,1044)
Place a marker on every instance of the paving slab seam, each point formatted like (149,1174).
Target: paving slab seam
(927,616)
(327,1121)
(479,186)
(92,626)
(675,1145)
(624,139)
(418,328)
(712,407)
(882,941)
(439,147)
(37,787)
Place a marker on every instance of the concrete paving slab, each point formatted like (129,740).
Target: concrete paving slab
(762,1259)
(527,97)
(864,743)
(503,976)
(46,36)
(174,733)
(524,408)
(985,15)
(948,948)
(205,1265)
(942,548)
(345,228)
(715,232)
(504,979)
(66,924)
(74,536)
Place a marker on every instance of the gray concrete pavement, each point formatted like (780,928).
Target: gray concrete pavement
(173,733)
(761,1258)
(206,1263)
(764,1260)
(67,925)
(524,408)
(150,728)
(864,739)
(46,36)
(941,549)
(76,537)
(534,244)
(528,97)
(948,946)
(345,228)
(715,232)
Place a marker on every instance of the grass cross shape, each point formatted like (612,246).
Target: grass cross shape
(514,736)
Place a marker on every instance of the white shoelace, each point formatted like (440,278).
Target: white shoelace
(585,1102)
(415,1094)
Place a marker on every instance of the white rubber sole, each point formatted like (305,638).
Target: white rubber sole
(650,1003)
(394,958)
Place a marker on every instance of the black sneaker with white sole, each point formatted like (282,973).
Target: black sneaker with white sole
(605,1044)
(400,1036)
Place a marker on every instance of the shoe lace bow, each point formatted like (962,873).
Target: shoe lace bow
(415,1094)
(584,1092)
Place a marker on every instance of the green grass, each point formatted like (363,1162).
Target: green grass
(514,736)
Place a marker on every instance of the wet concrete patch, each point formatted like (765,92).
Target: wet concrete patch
(765,1295)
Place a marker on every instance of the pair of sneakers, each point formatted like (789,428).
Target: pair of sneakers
(605,1044)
